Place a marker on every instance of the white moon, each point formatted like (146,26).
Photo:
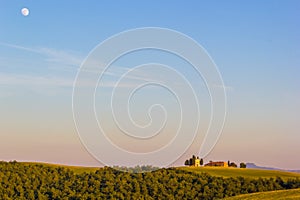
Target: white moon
(25,11)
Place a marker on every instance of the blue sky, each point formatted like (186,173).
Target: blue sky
(255,45)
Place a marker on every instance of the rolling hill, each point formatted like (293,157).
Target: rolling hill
(213,171)
(247,173)
(280,195)
(50,181)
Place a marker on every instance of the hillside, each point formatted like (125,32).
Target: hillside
(247,173)
(48,181)
(214,171)
(75,169)
(279,195)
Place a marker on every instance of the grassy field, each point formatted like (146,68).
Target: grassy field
(76,169)
(249,173)
(280,194)
(214,171)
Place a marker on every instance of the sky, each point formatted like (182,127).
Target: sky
(254,44)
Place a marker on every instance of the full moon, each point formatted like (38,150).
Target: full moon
(25,11)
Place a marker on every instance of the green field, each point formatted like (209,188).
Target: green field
(280,194)
(76,169)
(213,171)
(247,173)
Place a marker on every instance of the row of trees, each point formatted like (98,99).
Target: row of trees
(37,181)
(192,160)
(136,169)
(232,164)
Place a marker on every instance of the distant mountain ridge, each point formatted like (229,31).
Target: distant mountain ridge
(254,166)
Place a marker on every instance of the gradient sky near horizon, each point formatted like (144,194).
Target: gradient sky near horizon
(255,44)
